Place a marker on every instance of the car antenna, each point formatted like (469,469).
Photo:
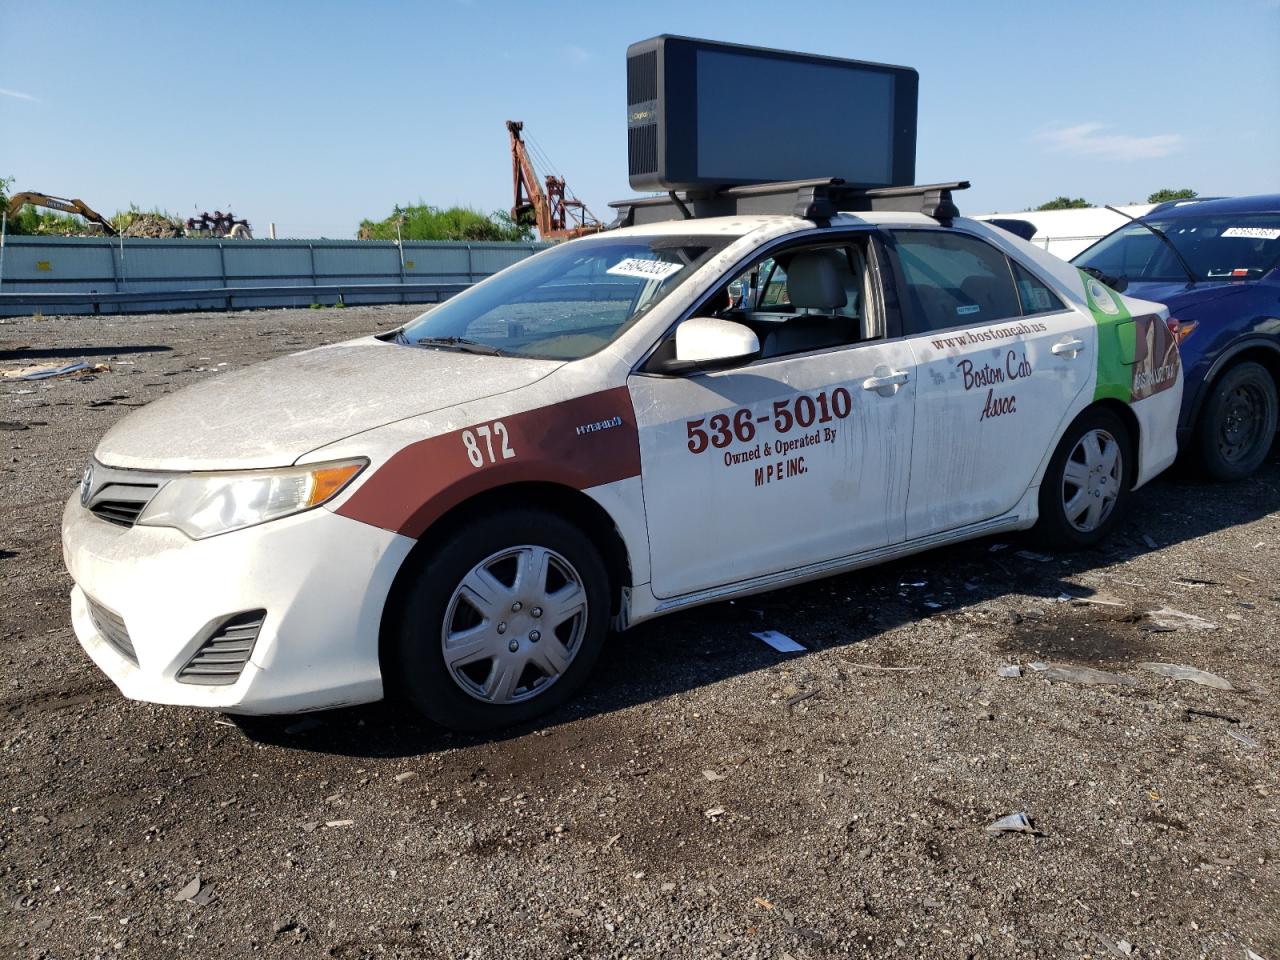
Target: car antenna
(1182,261)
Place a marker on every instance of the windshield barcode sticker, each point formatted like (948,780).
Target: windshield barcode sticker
(644,269)
(1252,233)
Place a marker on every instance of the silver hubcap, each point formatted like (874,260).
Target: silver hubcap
(514,624)
(1091,481)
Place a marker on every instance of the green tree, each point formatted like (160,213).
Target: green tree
(1166,193)
(423,222)
(1065,203)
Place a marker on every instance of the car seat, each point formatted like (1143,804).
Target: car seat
(815,282)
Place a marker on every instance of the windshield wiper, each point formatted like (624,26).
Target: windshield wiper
(460,343)
(1182,261)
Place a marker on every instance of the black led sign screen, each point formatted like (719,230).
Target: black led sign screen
(702,114)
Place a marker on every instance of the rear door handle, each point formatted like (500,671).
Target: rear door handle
(1072,347)
(895,379)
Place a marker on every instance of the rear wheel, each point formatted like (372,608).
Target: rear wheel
(1086,485)
(503,622)
(1238,422)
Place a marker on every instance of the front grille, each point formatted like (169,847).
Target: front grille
(123,512)
(221,659)
(121,503)
(111,628)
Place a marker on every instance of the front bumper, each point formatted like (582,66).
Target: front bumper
(322,579)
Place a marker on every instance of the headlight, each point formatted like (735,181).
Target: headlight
(206,504)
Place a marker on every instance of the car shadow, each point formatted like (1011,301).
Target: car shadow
(75,353)
(684,651)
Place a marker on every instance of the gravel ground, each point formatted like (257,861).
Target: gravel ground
(707,797)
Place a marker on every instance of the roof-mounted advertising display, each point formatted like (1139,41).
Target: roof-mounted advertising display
(702,115)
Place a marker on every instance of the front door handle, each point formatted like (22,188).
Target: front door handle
(1070,347)
(886,383)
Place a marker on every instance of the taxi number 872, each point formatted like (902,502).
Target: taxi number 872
(802,411)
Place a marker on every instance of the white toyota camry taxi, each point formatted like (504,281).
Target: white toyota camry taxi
(621,426)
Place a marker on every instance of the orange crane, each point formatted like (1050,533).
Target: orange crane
(556,212)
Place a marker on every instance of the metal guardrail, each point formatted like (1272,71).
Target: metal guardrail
(406,292)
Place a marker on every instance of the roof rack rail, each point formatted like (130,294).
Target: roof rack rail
(818,200)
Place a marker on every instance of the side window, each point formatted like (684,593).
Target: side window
(775,285)
(1034,295)
(802,299)
(953,279)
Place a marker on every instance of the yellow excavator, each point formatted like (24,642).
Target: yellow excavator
(63,205)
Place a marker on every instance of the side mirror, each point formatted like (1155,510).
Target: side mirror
(705,343)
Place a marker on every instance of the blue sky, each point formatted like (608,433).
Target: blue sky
(315,115)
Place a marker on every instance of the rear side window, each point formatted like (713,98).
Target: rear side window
(952,280)
(1034,295)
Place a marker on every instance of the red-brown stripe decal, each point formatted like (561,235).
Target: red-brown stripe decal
(579,443)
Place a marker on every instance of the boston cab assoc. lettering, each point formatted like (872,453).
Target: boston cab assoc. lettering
(1016,367)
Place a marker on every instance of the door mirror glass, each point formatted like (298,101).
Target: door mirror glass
(704,343)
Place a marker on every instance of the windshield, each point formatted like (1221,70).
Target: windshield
(1230,246)
(567,302)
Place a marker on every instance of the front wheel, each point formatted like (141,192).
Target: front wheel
(503,622)
(1086,485)
(1238,422)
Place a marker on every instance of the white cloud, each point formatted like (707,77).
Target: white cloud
(18,95)
(1097,140)
(575,54)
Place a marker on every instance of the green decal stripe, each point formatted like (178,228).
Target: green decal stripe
(1116,341)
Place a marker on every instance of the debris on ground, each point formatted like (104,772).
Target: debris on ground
(1010,671)
(196,892)
(1176,671)
(779,641)
(1244,739)
(11,426)
(1189,712)
(712,775)
(1171,619)
(1014,823)
(48,372)
(801,697)
(153,226)
(1099,600)
(1075,674)
(406,776)
(1032,555)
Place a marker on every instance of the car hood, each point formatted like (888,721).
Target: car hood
(1178,296)
(272,413)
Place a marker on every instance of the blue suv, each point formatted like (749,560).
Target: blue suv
(1214,263)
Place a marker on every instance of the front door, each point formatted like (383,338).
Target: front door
(796,458)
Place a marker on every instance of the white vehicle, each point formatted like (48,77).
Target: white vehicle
(625,425)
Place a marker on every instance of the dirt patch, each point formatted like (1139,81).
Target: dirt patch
(844,811)
(1079,638)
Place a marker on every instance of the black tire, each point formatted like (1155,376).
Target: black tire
(1237,424)
(415,649)
(1055,529)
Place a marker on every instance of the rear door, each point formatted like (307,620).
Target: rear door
(1001,361)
